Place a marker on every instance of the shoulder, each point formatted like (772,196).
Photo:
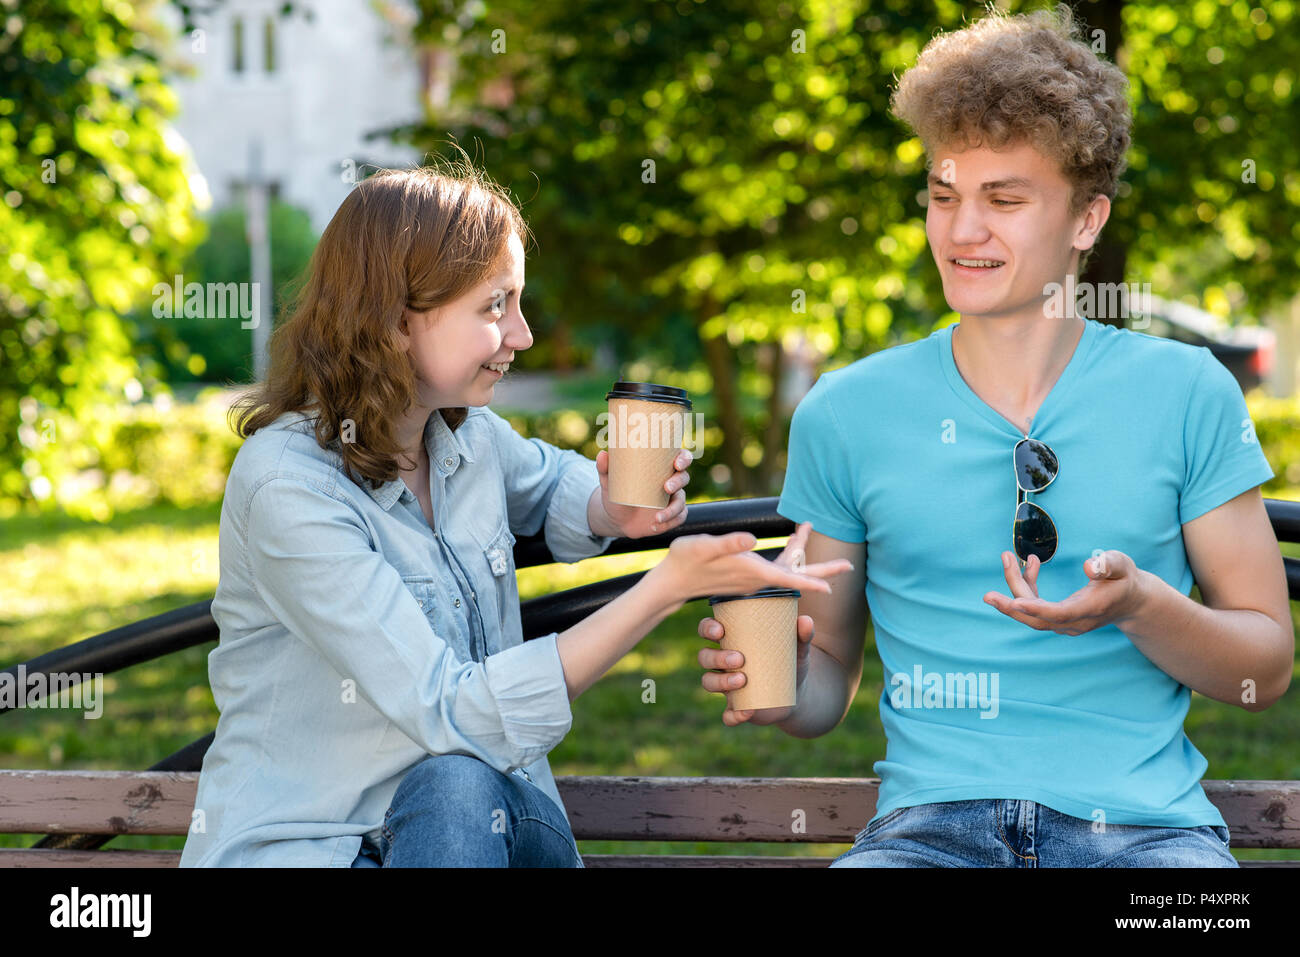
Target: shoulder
(876,377)
(1153,356)
(283,454)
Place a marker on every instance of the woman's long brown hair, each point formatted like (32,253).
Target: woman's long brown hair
(416,238)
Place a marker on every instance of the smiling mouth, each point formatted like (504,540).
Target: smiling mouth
(500,368)
(978,263)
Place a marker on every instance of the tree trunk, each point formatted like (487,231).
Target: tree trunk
(773,366)
(1111,257)
(720,358)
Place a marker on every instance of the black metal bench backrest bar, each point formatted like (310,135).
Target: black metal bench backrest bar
(192,625)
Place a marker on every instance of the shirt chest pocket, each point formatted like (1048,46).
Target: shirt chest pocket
(430,596)
(498,559)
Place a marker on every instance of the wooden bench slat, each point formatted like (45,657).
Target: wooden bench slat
(28,857)
(700,860)
(97,802)
(1258,813)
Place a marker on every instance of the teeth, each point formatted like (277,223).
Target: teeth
(498,366)
(979,262)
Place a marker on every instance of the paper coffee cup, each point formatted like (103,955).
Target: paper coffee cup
(644,434)
(762,627)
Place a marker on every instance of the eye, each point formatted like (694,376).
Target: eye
(1005,202)
(941,199)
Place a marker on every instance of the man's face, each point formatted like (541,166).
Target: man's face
(1008,207)
(451,347)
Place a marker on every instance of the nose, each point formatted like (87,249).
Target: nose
(518,336)
(967,227)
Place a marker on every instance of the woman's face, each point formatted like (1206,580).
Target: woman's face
(451,347)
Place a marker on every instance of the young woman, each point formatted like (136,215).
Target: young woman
(378,703)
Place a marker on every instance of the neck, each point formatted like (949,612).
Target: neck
(410,435)
(1017,359)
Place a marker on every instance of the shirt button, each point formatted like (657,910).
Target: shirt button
(457,602)
(447,462)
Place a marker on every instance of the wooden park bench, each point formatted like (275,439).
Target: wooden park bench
(80,811)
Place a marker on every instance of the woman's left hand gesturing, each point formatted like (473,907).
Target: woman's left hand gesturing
(632,521)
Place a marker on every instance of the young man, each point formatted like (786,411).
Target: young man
(1044,728)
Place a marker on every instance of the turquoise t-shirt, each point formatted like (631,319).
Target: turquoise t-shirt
(898,451)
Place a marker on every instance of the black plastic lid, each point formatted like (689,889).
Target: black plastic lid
(649,391)
(771,591)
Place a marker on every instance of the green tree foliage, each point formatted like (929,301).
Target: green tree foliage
(729,162)
(778,175)
(95,207)
(214,348)
(1215,163)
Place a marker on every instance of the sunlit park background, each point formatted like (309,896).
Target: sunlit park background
(720,201)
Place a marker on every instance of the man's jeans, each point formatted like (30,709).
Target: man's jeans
(1015,833)
(452,810)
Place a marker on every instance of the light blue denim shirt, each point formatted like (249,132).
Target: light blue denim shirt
(355,639)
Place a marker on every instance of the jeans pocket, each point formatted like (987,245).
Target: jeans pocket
(889,818)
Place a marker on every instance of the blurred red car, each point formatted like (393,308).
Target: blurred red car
(1246,351)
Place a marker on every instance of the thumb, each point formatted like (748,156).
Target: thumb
(1103,567)
(739,541)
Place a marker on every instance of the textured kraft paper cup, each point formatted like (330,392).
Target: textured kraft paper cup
(761,627)
(645,430)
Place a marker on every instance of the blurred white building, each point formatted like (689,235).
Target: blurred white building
(304,88)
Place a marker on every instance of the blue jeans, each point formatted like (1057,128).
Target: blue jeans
(452,810)
(1016,833)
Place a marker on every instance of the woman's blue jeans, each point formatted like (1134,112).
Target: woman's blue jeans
(452,810)
(1018,833)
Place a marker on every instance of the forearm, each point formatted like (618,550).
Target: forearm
(823,698)
(1238,656)
(592,646)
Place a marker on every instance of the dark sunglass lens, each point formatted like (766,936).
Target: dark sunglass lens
(1035,465)
(1033,533)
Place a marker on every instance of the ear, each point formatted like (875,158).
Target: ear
(1091,221)
(404,328)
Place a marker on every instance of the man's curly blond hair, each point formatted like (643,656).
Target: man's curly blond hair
(1007,80)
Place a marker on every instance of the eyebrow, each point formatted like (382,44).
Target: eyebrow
(1011,182)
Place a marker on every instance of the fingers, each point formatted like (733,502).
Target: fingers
(802,580)
(720,682)
(804,627)
(1011,570)
(826,569)
(711,629)
(732,718)
(678,480)
(734,542)
(721,675)
(675,509)
(1031,573)
(800,537)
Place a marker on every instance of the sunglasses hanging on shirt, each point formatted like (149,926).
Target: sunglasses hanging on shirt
(1033,532)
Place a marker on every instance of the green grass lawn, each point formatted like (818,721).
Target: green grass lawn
(62,580)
